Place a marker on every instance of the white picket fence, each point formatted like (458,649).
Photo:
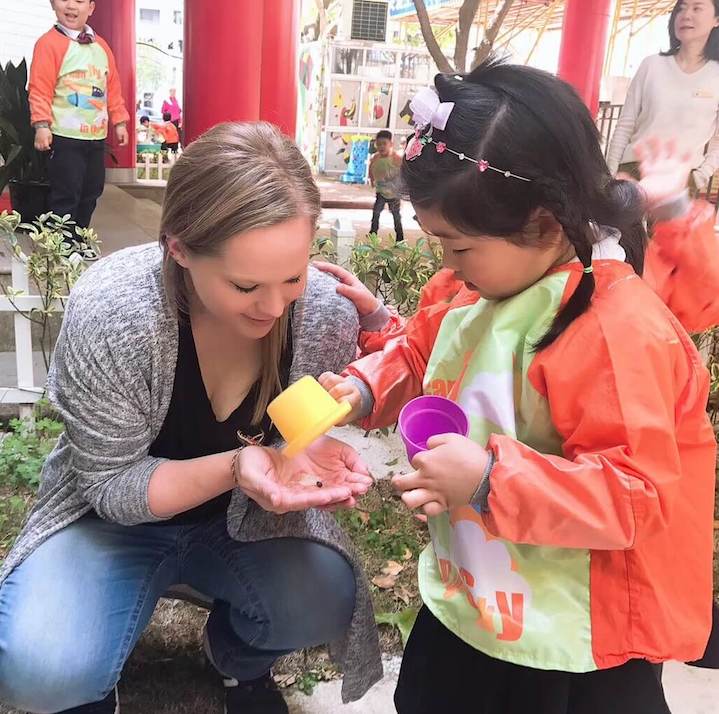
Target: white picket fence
(25,393)
(155,166)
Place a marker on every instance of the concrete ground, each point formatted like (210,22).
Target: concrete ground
(688,690)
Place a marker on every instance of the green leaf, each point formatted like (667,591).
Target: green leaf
(403,620)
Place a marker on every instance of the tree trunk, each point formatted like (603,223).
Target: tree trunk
(491,32)
(467,13)
(430,40)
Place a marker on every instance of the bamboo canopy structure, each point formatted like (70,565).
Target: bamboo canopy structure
(629,18)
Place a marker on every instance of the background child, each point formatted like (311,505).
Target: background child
(73,88)
(168,131)
(384,169)
(144,130)
(548,589)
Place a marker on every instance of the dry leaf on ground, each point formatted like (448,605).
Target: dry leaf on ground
(386,582)
(393,568)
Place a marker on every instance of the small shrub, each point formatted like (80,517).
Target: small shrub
(397,271)
(13,511)
(57,258)
(708,344)
(24,450)
(307,682)
(323,249)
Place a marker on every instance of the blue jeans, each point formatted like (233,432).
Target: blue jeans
(71,613)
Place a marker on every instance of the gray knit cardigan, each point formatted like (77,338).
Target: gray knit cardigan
(111,381)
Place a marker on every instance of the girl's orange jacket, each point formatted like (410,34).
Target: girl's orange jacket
(634,482)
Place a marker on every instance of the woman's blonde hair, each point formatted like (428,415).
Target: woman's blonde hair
(234,178)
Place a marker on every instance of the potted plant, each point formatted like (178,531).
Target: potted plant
(23,168)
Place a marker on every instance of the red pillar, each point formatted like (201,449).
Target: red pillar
(280,36)
(114,20)
(223,61)
(584,40)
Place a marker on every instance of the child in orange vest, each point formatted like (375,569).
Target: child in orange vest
(168,131)
(74,92)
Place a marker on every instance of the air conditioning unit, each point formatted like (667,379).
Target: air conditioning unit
(369,21)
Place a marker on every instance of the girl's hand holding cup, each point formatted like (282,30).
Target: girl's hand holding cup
(343,390)
(446,475)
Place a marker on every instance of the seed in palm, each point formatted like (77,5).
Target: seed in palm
(310,480)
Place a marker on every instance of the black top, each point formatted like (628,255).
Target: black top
(190,429)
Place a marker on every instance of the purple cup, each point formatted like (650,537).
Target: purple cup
(425,417)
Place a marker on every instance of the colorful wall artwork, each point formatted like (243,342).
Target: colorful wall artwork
(309,101)
(338,153)
(376,105)
(344,102)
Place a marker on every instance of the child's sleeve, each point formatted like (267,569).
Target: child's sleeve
(44,71)
(159,130)
(440,289)
(374,340)
(616,404)
(394,375)
(682,266)
(115,104)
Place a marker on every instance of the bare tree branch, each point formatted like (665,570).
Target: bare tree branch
(430,40)
(323,8)
(467,13)
(491,32)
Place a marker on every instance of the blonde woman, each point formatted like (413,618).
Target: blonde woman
(165,355)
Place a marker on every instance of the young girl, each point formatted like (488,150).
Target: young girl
(572,530)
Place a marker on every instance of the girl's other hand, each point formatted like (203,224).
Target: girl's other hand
(447,474)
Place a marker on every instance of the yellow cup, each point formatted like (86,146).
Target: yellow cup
(304,412)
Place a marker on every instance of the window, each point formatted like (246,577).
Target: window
(369,20)
(149,15)
(177,17)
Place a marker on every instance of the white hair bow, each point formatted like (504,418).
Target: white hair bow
(427,110)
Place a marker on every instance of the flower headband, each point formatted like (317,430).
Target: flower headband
(429,111)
